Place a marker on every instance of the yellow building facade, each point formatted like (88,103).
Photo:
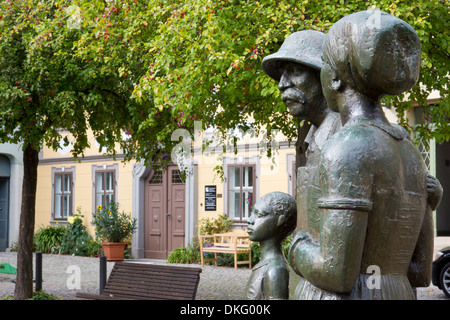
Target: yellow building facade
(67,187)
(169,205)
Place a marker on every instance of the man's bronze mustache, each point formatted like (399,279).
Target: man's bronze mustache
(294,95)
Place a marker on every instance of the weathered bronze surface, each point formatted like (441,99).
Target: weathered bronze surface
(272,220)
(369,228)
(296,66)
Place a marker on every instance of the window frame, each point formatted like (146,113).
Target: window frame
(291,172)
(62,171)
(96,169)
(241,218)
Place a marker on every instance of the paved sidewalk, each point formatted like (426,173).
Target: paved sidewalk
(216,283)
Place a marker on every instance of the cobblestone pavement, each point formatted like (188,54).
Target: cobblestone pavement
(216,283)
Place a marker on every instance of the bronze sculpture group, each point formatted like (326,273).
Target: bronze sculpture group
(364,198)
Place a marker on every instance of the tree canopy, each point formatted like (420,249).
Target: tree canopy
(49,84)
(205,60)
(147,68)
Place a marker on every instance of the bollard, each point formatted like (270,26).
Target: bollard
(38,271)
(102,273)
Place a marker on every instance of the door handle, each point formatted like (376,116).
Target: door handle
(168,215)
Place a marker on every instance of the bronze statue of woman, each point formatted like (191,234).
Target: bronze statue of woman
(368,205)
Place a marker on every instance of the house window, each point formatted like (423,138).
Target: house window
(241,181)
(104,188)
(105,184)
(293,178)
(422,115)
(176,176)
(63,193)
(291,171)
(157,178)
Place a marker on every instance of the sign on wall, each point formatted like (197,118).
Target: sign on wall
(210,198)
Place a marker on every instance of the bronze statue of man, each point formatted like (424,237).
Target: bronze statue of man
(369,196)
(272,220)
(296,66)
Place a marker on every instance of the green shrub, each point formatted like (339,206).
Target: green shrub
(42,295)
(46,239)
(256,250)
(111,225)
(189,254)
(14,247)
(222,224)
(256,253)
(126,252)
(77,241)
(287,245)
(37,295)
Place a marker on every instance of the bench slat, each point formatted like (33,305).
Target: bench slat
(151,291)
(140,287)
(148,274)
(179,273)
(160,295)
(153,282)
(99,296)
(132,266)
(225,250)
(154,285)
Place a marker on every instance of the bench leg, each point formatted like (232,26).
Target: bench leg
(215,259)
(201,257)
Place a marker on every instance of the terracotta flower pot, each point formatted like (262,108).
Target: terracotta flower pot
(114,250)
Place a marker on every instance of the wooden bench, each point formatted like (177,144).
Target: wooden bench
(226,243)
(145,281)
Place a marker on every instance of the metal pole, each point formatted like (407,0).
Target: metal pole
(102,273)
(38,271)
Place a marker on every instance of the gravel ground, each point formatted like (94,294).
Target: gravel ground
(58,272)
(216,283)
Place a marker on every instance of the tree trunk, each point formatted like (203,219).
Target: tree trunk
(24,279)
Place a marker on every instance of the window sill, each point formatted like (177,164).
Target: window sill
(239,224)
(62,222)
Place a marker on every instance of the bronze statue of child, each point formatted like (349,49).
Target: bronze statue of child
(273,219)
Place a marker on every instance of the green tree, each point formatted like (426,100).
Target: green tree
(49,84)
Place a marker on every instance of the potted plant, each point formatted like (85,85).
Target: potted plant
(114,229)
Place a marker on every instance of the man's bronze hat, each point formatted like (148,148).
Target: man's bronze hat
(303,47)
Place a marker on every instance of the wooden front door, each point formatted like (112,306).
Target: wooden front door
(164,212)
